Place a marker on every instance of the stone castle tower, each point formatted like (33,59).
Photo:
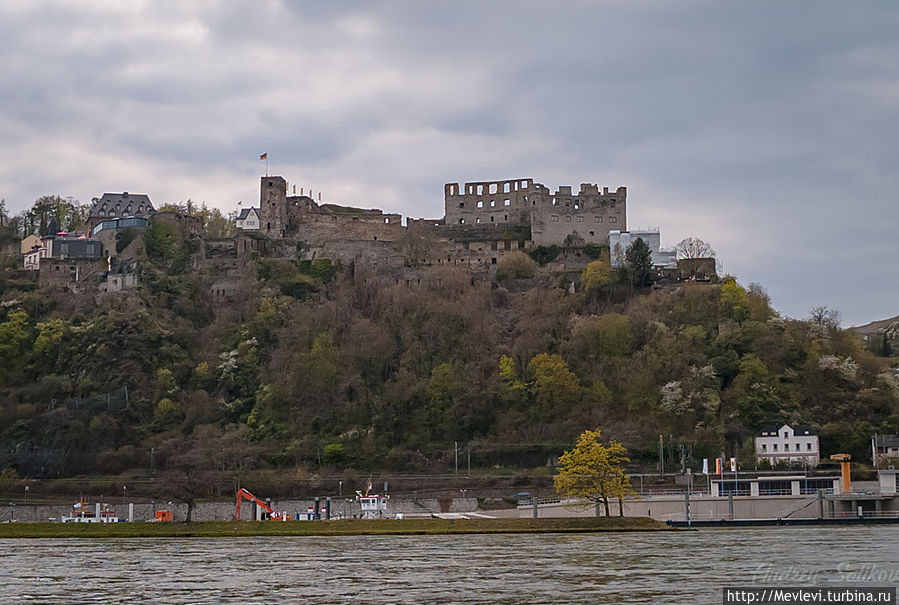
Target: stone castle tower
(273,206)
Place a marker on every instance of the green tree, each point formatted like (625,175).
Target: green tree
(555,387)
(639,262)
(593,471)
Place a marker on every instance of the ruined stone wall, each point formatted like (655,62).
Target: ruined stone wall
(75,275)
(188,226)
(488,202)
(320,227)
(582,218)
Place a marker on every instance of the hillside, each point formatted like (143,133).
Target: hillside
(321,367)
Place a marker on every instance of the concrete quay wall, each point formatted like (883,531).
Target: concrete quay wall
(224,510)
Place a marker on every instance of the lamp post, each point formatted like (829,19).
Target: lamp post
(26,495)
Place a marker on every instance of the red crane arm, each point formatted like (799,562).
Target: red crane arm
(243,493)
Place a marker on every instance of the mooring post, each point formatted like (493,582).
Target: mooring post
(534,502)
(328,508)
(687,507)
(820,503)
(730,506)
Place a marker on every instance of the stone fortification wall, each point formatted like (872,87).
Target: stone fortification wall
(74,274)
(488,202)
(585,217)
(321,226)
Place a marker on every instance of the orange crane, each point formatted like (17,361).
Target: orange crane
(844,459)
(271,515)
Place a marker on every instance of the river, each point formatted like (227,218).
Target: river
(664,567)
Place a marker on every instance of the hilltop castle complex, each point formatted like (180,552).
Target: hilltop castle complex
(482,222)
(488,217)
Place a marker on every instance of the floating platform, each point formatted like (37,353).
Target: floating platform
(854,520)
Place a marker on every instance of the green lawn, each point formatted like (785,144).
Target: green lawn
(354,527)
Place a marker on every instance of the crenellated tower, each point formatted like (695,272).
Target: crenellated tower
(273,206)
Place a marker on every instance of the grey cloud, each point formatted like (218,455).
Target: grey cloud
(769,127)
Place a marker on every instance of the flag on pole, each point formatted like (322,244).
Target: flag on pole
(718,468)
(733,465)
(705,466)
(264,156)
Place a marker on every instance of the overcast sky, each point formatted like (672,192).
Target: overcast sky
(768,129)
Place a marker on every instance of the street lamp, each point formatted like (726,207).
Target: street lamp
(26,495)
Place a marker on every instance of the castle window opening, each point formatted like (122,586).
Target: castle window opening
(461,221)
(580,219)
(480,189)
(478,220)
(524,184)
(480,204)
(386,220)
(554,218)
(505,217)
(598,219)
(461,204)
(613,219)
(592,234)
(577,206)
(493,261)
(492,188)
(567,219)
(376,238)
(491,218)
(505,187)
(493,203)
(507,202)
(555,202)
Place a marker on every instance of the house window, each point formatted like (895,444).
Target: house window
(554,218)
(775,447)
(764,447)
(612,219)
(598,219)
(786,447)
(580,219)
(808,446)
(567,219)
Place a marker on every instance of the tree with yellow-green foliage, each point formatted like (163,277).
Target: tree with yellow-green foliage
(598,274)
(594,471)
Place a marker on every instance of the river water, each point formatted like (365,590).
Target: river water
(665,567)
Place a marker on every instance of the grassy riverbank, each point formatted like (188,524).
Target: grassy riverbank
(354,527)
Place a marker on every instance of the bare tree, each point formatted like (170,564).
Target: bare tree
(693,247)
(824,316)
(196,466)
